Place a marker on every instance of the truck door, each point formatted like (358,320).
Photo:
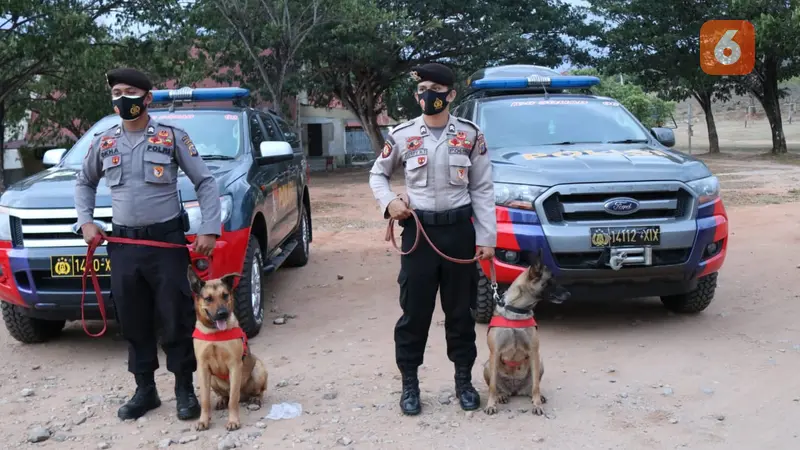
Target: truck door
(285,192)
(265,179)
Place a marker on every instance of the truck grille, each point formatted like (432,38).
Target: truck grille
(34,228)
(577,203)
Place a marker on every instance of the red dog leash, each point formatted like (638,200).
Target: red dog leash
(421,231)
(89,272)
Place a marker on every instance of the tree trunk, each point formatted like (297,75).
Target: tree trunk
(704,98)
(362,104)
(770,101)
(2,146)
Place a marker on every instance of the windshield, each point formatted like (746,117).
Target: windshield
(216,134)
(529,121)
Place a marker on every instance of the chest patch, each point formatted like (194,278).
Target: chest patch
(457,151)
(414,142)
(107,142)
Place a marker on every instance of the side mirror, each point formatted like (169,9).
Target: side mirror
(664,135)
(53,156)
(274,152)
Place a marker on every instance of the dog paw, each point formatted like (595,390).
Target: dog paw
(490,409)
(502,399)
(201,424)
(222,403)
(255,401)
(232,425)
(537,410)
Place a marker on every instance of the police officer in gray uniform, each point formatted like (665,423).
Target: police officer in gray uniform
(448,178)
(139,159)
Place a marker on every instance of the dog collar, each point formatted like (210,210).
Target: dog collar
(221,336)
(503,322)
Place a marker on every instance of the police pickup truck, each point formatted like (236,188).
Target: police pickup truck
(262,175)
(616,212)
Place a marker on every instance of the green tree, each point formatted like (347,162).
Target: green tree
(260,38)
(38,38)
(648,108)
(777,24)
(364,54)
(658,43)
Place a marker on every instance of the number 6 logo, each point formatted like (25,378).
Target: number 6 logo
(727,47)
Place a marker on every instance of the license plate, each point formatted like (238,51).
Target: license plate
(620,236)
(73,266)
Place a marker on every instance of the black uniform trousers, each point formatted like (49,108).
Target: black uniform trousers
(149,284)
(423,273)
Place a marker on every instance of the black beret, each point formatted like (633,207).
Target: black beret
(435,72)
(128,76)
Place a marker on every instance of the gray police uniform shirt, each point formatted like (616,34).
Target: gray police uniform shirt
(142,177)
(441,173)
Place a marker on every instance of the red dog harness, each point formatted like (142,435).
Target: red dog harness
(221,336)
(502,322)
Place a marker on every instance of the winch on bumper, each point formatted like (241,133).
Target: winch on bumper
(670,247)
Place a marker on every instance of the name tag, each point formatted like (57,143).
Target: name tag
(108,152)
(414,153)
(159,149)
(457,151)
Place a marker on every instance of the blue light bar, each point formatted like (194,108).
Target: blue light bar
(200,94)
(555,82)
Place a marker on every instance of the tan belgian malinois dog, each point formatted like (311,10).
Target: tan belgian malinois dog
(224,363)
(513,338)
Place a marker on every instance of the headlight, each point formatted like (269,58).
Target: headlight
(707,189)
(195,217)
(516,195)
(5,224)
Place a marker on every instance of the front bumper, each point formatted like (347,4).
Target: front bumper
(25,278)
(677,263)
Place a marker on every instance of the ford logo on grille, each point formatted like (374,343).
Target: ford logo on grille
(621,206)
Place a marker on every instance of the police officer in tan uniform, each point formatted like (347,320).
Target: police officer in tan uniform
(139,159)
(448,177)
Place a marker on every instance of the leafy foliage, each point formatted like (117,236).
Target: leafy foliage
(363,55)
(648,108)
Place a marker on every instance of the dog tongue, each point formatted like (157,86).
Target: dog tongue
(222,325)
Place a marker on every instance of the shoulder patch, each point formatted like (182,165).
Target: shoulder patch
(401,126)
(469,122)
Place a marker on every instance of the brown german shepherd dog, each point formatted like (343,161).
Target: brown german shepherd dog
(513,338)
(224,362)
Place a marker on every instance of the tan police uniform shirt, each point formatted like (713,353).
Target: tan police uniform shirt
(143,175)
(442,173)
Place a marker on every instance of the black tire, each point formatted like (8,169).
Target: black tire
(300,254)
(251,317)
(29,330)
(484,306)
(694,301)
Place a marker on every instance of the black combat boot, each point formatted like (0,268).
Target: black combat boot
(467,395)
(186,402)
(409,400)
(144,399)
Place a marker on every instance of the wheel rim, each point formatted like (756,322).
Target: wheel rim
(255,289)
(306,237)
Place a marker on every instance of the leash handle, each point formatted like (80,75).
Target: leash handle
(88,272)
(421,231)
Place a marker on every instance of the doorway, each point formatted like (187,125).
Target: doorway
(314,139)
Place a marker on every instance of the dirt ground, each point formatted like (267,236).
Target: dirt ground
(623,375)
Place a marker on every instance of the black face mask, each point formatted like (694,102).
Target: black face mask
(129,108)
(435,102)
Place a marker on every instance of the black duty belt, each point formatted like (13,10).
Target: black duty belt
(437,218)
(156,231)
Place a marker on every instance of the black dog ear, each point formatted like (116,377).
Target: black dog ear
(195,282)
(229,279)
